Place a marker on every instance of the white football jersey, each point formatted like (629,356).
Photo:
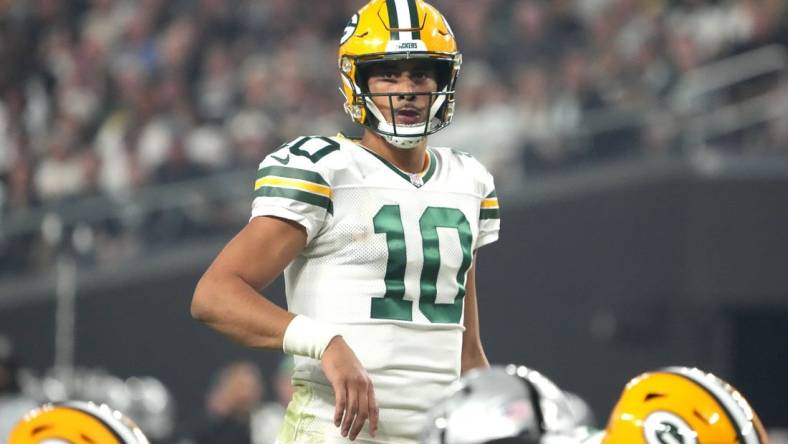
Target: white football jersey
(385,262)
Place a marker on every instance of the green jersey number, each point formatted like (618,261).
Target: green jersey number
(393,305)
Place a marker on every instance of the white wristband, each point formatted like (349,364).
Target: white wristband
(307,337)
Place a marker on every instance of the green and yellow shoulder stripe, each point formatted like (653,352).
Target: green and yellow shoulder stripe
(296,184)
(489,207)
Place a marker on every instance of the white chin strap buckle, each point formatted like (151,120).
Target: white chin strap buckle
(412,136)
(404,142)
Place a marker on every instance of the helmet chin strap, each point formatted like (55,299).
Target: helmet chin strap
(405,143)
(411,135)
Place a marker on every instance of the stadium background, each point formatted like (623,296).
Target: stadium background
(640,149)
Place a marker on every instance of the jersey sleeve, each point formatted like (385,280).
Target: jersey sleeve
(293,187)
(489,213)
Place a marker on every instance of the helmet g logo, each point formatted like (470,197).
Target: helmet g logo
(667,428)
(350,28)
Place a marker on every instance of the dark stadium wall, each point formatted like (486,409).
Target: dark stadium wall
(595,289)
(590,289)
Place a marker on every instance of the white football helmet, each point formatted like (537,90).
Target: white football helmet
(511,404)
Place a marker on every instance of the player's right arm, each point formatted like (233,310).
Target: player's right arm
(226,298)
(291,199)
(291,202)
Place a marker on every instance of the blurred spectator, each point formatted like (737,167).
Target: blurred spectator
(66,171)
(208,147)
(230,402)
(13,403)
(540,122)
(711,26)
(251,132)
(778,131)
(216,91)
(18,194)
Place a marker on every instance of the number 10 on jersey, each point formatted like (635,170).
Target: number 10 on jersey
(392,305)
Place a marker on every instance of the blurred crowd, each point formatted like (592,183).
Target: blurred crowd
(105,97)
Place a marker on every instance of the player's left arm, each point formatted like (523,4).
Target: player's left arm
(472,351)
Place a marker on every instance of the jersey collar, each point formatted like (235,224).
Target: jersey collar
(416,179)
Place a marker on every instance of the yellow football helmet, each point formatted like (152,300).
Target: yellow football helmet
(682,406)
(391,30)
(76,422)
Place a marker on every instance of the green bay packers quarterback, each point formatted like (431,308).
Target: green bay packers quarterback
(377,240)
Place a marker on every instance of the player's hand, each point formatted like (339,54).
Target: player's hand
(355,397)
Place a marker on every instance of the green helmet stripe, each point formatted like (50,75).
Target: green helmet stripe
(393,20)
(414,18)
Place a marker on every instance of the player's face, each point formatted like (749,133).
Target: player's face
(406,79)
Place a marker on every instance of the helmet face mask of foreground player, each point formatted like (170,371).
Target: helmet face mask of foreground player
(684,406)
(76,422)
(412,35)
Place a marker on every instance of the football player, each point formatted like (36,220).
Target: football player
(512,404)
(76,422)
(377,239)
(675,405)
(680,405)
